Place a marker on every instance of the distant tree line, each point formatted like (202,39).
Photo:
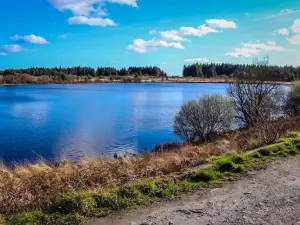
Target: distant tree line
(88,71)
(238,71)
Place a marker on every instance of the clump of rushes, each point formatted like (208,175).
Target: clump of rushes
(73,207)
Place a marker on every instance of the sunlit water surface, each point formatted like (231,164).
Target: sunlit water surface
(57,122)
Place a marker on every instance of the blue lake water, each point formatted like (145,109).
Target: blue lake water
(58,122)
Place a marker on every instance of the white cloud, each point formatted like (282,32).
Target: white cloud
(295,40)
(132,3)
(283,31)
(172,35)
(283,12)
(264,47)
(92,21)
(221,23)
(13,48)
(193,60)
(142,46)
(90,12)
(3,54)
(77,7)
(32,39)
(164,63)
(243,52)
(173,38)
(199,32)
(250,49)
(296,26)
(152,32)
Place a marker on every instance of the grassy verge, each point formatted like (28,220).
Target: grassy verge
(74,207)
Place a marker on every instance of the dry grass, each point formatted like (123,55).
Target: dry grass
(27,187)
(35,186)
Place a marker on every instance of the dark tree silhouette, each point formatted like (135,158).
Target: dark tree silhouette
(236,71)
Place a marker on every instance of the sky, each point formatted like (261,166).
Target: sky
(164,33)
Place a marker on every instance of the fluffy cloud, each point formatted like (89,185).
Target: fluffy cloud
(295,40)
(92,21)
(250,49)
(142,46)
(13,48)
(3,54)
(264,47)
(193,60)
(173,38)
(296,26)
(243,52)
(283,31)
(32,39)
(172,35)
(90,12)
(221,23)
(199,32)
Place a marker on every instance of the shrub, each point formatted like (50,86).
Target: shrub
(109,201)
(128,191)
(202,118)
(204,175)
(292,105)
(80,201)
(255,102)
(35,217)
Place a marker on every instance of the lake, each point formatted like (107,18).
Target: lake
(57,122)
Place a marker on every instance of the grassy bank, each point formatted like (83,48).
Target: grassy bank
(36,186)
(73,207)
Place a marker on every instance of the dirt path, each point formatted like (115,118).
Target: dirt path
(269,196)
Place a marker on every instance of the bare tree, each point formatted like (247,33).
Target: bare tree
(199,119)
(256,102)
(292,105)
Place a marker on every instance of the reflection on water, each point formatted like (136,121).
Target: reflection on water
(57,122)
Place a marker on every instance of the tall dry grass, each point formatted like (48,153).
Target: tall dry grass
(27,187)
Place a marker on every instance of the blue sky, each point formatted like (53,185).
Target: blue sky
(166,33)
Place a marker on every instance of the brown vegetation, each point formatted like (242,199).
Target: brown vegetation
(73,79)
(38,186)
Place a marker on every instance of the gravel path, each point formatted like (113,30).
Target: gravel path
(268,196)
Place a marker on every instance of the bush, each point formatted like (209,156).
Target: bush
(35,217)
(255,102)
(109,201)
(292,106)
(80,201)
(204,175)
(202,118)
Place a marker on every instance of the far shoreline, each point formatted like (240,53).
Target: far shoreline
(169,80)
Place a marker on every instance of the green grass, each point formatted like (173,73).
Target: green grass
(73,207)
